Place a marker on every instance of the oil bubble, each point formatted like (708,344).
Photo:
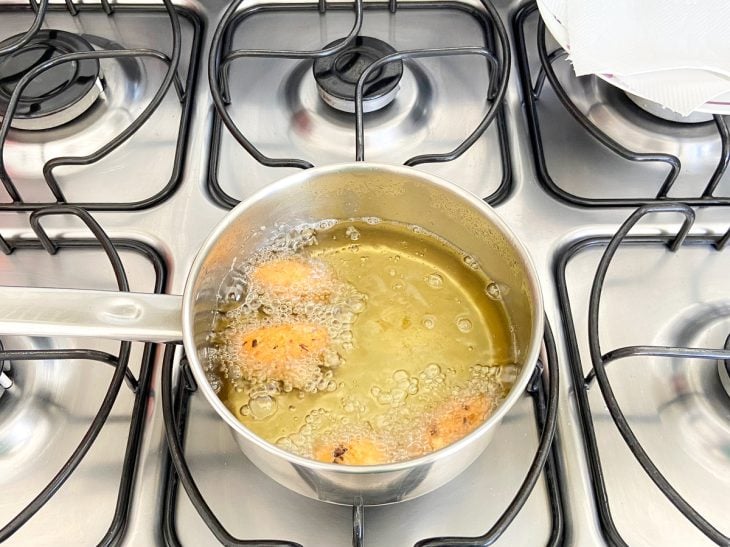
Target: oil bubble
(357,303)
(215,382)
(510,373)
(493,291)
(398,396)
(434,280)
(347,317)
(400,376)
(432,370)
(332,359)
(463,324)
(352,233)
(472,262)
(429,321)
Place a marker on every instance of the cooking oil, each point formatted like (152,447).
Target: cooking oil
(417,337)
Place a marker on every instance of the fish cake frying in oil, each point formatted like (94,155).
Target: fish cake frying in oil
(353,452)
(289,353)
(294,279)
(455,419)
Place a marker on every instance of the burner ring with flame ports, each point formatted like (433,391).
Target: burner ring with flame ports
(57,95)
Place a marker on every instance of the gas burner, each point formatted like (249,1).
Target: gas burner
(659,111)
(723,367)
(337,75)
(59,94)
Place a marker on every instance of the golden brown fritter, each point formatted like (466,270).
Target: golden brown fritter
(290,353)
(354,452)
(293,279)
(455,419)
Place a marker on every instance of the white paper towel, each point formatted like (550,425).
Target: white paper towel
(559,9)
(674,52)
(680,90)
(632,37)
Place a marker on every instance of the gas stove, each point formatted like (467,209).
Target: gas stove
(117,163)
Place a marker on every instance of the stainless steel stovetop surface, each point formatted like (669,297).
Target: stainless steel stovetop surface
(687,428)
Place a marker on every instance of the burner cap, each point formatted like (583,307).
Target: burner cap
(59,94)
(337,75)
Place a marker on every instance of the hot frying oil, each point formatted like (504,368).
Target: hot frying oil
(415,329)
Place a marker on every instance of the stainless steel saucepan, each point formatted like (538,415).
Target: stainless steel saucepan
(340,192)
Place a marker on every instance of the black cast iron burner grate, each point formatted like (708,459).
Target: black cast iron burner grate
(496,54)
(139,386)
(183,91)
(543,389)
(532,89)
(601,360)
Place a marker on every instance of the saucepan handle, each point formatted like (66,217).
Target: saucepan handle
(99,314)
